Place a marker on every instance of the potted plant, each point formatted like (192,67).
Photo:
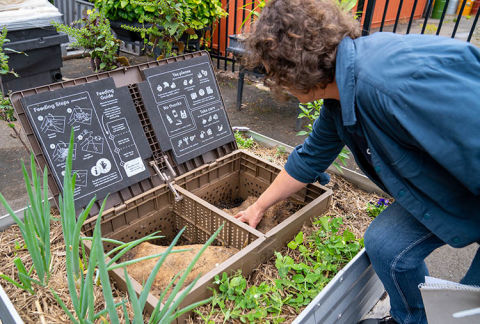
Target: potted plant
(164,26)
(95,36)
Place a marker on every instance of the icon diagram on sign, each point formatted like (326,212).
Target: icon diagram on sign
(53,124)
(209,90)
(220,128)
(159,88)
(81,116)
(185,139)
(201,92)
(169,119)
(204,73)
(173,85)
(82,177)
(209,132)
(102,166)
(210,118)
(183,114)
(92,144)
(192,138)
(193,95)
(180,143)
(165,84)
(174,113)
(190,81)
(202,134)
(204,121)
(215,116)
(185,82)
(61,152)
(199,75)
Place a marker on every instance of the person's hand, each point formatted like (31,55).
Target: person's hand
(252,215)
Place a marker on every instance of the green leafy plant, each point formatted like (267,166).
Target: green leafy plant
(173,23)
(35,230)
(4,68)
(374,209)
(125,9)
(243,142)
(319,257)
(311,111)
(94,35)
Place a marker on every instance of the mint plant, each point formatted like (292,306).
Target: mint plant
(311,111)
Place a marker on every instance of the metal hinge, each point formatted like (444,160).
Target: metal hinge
(166,178)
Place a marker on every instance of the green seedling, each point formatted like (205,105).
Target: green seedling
(311,111)
(35,230)
(320,256)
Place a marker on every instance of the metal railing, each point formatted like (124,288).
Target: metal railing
(398,16)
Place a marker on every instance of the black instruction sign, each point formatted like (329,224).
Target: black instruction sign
(109,144)
(184,105)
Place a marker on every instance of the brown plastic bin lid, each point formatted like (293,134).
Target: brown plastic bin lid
(129,124)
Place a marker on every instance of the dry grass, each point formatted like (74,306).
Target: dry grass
(41,307)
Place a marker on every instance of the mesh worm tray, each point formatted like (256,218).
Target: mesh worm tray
(241,174)
(156,210)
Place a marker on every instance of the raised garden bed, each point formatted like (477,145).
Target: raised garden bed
(219,176)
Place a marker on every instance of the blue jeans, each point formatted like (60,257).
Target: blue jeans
(397,245)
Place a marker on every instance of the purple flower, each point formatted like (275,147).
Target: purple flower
(382,202)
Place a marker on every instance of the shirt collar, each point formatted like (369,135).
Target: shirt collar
(345,77)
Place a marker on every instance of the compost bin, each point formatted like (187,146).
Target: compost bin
(36,55)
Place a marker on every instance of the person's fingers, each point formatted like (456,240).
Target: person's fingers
(239,214)
(243,219)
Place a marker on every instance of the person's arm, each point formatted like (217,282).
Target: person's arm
(281,188)
(306,164)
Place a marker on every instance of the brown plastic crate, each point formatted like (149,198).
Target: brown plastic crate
(126,76)
(157,210)
(241,174)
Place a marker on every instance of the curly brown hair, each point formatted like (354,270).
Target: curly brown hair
(296,41)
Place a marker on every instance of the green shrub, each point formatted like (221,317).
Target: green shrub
(94,35)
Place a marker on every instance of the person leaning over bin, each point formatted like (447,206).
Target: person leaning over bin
(407,107)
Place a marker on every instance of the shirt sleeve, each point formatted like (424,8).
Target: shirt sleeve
(308,162)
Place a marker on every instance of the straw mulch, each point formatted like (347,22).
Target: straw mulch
(41,307)
(348,202)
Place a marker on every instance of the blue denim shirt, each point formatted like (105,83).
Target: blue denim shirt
(416,101)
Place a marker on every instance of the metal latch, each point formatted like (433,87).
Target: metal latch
(166,178)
